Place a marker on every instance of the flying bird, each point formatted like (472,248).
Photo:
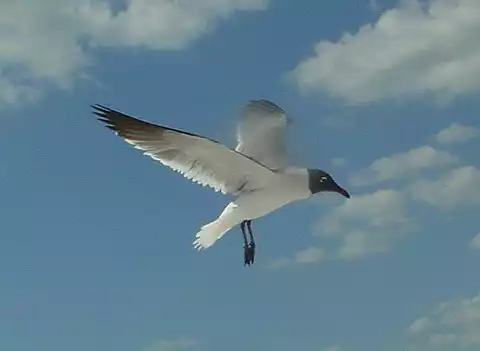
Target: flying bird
(256,172)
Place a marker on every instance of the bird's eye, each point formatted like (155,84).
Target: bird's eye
(323,179)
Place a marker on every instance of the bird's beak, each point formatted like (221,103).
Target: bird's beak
(342,191)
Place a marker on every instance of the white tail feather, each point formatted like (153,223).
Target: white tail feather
(213,231)
(210,233)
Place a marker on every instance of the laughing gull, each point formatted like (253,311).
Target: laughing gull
(256,173)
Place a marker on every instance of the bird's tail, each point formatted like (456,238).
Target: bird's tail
(210,233)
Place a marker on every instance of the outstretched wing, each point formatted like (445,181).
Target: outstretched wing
(261,133)
(200,159)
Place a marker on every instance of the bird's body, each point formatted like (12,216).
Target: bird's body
(256,172)
(284,187)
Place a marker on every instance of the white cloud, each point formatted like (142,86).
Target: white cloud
(419,325)
(52,41)
(475,243)
(367,224)
(420,47)
(308,255)
(172,345)
(163,24)
(403,164)
(372,222)
(457,133)
(452,325)
(333,348)
(364,225)
(339,161)
(458,187)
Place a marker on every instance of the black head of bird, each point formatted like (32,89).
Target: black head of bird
(321,181)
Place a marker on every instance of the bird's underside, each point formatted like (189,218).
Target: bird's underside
(257,162)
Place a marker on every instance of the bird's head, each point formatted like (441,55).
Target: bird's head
(320,181)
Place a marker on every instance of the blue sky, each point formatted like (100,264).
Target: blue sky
(96,238)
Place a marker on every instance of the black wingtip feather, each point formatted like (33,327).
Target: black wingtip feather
(101,112)
(123,124)
(104,114)
(100,107)
(115,129)
(103,119)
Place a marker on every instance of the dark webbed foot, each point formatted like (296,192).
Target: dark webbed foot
(249,254)
(246,255)
(251,251)
(248,248)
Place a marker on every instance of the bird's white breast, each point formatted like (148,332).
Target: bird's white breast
(288,186)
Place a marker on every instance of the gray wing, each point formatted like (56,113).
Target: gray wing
(204,161)
(261,133)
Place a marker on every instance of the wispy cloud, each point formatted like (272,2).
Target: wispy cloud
(364,225)
(372,222)
(309,255)
(333,348)
(419,325)
(403,164)
(475,243)
(53,41)
(457,133)
(402,54)
(368,223)
(452,325)
(173,345)
(339,161)
(457,188)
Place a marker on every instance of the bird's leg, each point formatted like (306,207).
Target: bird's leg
(245,245)
(251,246)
